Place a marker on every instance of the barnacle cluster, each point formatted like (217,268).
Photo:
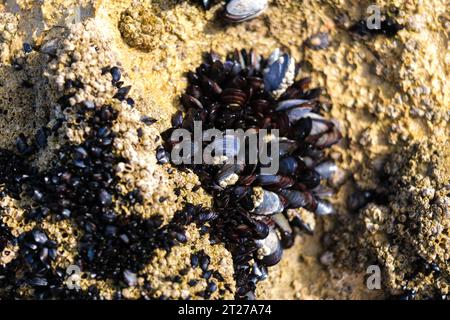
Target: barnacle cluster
(144,26)
(253,215)
(407,234)
(8,23)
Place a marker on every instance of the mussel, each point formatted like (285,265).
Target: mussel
(266,202)
(279,73)
(222,149)
(242,10)
(270,250)
(229,174)
(326,169)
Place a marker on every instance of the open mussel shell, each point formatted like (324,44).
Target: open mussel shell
(242,10)
(270,250)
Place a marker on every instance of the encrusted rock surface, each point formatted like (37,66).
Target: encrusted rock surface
(408,235)
(389,94)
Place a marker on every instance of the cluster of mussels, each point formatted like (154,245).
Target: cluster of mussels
(249,92)
(240,10)
(80,187)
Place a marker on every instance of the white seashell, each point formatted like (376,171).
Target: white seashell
(242,10)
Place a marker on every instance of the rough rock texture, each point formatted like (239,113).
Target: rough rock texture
(386,93)
(408,236)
